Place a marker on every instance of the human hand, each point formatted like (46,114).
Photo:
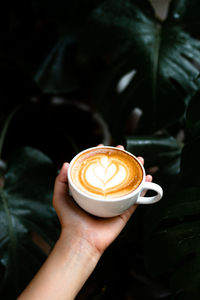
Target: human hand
(82,241)
(76,223)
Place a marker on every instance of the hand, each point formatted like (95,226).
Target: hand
(76,223)
(83,240)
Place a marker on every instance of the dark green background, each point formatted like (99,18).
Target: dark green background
(60,64)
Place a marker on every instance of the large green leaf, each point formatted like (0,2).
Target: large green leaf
(62,69)
(190,163)
(59,72)
(25,208)
(160,151)
(172,227)
(172,238)
(192,116)
(164,56)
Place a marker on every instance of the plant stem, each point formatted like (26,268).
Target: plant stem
(155,66)
(5,129)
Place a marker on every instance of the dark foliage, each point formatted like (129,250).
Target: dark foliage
(62,64)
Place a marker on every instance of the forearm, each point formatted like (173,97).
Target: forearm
(65,271)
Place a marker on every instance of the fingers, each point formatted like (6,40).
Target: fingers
(141,159)
(125,216)
(62,176)
(120,147)
(149,178)
(128,213)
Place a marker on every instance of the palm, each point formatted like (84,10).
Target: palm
(99,232)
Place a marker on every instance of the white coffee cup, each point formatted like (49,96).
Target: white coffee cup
(110,207)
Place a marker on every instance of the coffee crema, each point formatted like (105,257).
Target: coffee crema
(106,173)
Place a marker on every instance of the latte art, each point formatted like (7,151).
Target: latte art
(106,173)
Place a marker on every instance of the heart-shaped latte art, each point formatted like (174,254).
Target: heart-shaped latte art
(105,173)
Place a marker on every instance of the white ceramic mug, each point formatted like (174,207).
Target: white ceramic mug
(113,206)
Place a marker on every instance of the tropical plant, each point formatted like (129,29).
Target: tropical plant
(171,228)
(86,50)
(25,210)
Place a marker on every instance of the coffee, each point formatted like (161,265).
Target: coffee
(106,172)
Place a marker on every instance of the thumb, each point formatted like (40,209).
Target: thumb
(61,185)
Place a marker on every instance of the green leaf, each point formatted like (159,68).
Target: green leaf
(191,287)
(161,151)
(192,117)
(25,208)
(172,228)
(127,35)
(59,72)
(190,164)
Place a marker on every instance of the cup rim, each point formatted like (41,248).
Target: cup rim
(96,198)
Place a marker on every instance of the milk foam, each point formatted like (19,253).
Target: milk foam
(105,174)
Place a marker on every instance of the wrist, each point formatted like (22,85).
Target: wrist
(65,271)
(79,257)
(78,244)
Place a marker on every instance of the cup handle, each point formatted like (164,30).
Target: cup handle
(149,200)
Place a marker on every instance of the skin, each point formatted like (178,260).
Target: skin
(82,241)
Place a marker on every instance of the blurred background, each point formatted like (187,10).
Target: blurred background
(78,73)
